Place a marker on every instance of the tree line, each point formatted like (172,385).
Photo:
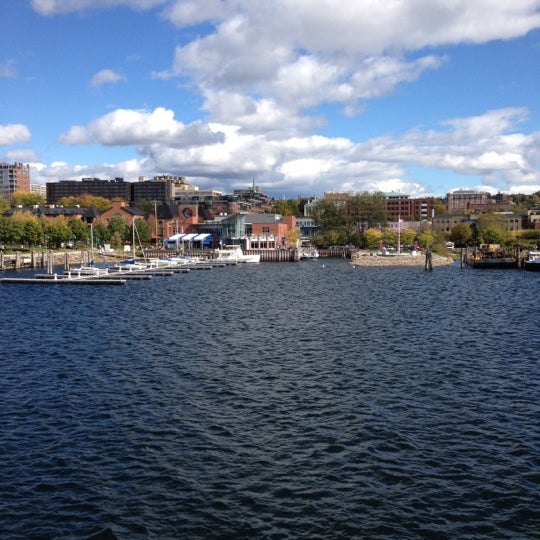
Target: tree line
(28,230)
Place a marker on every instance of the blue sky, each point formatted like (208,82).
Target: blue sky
(301,96)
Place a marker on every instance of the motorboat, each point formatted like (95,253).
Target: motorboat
(532,262)
(235,255)
(309,253)
(88,270)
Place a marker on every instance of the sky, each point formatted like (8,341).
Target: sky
(300,97)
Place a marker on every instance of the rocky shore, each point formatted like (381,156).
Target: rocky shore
(367,258)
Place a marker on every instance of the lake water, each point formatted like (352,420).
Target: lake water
(280,400)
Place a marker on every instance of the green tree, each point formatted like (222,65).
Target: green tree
(87,201)
(102,235)
(439,207)
(80,231)
(366,210)
(26,200)
(328,214)
(32,230)
(492,229)
(118,225)
(389,236)
(142,231)
(57,231)
(373,237)
(18,225)
(146,206)
(11,230)
(425,236)
(460,233)
(287,207)
(407,237)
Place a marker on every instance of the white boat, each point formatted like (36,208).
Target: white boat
(532,262)
(234,255)
(88,270)
(309,253)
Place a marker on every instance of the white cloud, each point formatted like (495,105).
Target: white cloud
(22,155)
(125,127)
(106,76)
(220,155)
(14,134)
(56,7)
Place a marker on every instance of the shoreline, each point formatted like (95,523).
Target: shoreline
(366,258)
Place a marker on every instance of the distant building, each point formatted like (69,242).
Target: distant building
(109,189)
(464,200)
(399,205)
(14,177)
(39,189)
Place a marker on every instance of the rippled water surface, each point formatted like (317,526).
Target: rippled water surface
(302,400)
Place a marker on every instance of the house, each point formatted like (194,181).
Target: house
(122,210)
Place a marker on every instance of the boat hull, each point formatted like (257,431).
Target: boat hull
(532,266)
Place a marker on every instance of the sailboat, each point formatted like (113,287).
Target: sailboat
(89,269)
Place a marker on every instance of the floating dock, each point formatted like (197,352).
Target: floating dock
(64,280)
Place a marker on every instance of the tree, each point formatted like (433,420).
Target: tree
(366,210)
(25,228)
(57,231)
(102,235)
(373,237)
(11,230)
(439,207)
(286,207)
(460,234)
(425,236)
(32,230)
(407,237)
(389,236)
(26,200)
(142,231)
(492,229)
(79,230)
(293,236)
(87,201)
(328,214)
(118,226)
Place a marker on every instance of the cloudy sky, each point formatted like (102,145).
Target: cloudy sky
(301,96)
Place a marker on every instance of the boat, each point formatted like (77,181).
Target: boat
(88,270)
(491,256)
(235,255)
(309,253)
(532,262)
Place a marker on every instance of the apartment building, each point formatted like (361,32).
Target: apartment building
(14,177)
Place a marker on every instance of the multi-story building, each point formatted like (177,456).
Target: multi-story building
(14,177)
(38,189)
(400,206)
(464,200)
(109,189)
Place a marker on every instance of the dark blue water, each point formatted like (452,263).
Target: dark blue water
(273,401)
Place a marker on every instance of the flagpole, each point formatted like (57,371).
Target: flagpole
(399,234)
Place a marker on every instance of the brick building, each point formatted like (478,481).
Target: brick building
(14,177)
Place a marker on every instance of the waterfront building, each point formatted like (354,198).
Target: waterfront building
(14,177)
(251,231)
